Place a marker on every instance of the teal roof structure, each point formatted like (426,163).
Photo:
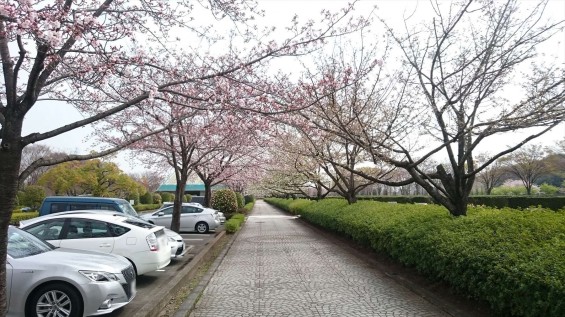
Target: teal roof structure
(187,188)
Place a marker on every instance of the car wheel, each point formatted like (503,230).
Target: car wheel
(55,300)
(201,227)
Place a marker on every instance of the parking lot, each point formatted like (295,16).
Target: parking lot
(150,285)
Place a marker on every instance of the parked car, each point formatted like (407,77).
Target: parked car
(55,204)
(58,204)
(46,281)
(176,242)
(192,218)
(142,243)
(221,216)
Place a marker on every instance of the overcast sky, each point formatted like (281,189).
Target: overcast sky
(44,117)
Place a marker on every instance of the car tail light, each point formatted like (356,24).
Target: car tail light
(152,242)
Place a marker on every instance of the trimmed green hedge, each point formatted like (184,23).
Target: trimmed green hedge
(399,199)
(515,202)
(519,202)
(515,261)
(146,207)
(249,206)
(19,216)
(234,223)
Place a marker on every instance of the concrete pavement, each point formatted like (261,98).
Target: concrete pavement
(277,266)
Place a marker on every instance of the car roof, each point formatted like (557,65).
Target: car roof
(83,198)
(88,214)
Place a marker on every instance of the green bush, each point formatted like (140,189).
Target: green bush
(31,196)
(167,197)
(225,201)
(399,199)
(146,198)
(513,201)
(157,199)
(547,189)
(249,206)
(513,260)
(248,199)
(509,190)
(19,216)
(186,198)
(519,202)
(240,200)
(234,223)
(133,196)
(145,207)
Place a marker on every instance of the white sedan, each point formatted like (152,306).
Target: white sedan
(47,281)
(143,244)
(192,218)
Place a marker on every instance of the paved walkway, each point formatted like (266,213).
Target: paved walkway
(277,266)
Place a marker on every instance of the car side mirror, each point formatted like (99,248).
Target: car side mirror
(160,214)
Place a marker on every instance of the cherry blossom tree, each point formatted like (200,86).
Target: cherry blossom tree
(527,165)
(288,171)
(492,175)
(107,56)
(31,154)
(235,156)
(471,73)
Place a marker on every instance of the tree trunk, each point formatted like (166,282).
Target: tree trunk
(318,193)
(457,190)
(207,194)
(351,198)
(458,207)
(10,160)
(177,208)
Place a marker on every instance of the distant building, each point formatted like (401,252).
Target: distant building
(194,186)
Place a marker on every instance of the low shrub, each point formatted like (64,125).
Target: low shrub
(19,216)
(31,196)
(157,199)
(167,197)
(519,202)
(248,199)
(249,206)
(498,201)
(234,223)
(146,198)
(240,200)
(225,201)
(146,207)
(513,260)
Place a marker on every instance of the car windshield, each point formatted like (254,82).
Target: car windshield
(127,209)
(22,244)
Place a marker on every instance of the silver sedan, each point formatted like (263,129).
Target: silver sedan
(47,281)
(192,218)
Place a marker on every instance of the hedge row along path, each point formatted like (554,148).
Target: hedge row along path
(277,266)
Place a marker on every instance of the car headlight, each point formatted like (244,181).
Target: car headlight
(99,276)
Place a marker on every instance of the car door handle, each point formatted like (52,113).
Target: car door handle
(105,245)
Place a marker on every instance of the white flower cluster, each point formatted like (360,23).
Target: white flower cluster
(152,93)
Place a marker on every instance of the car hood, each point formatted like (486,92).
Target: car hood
(146,216)
(79,260)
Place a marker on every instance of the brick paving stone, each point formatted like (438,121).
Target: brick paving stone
(279,267)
